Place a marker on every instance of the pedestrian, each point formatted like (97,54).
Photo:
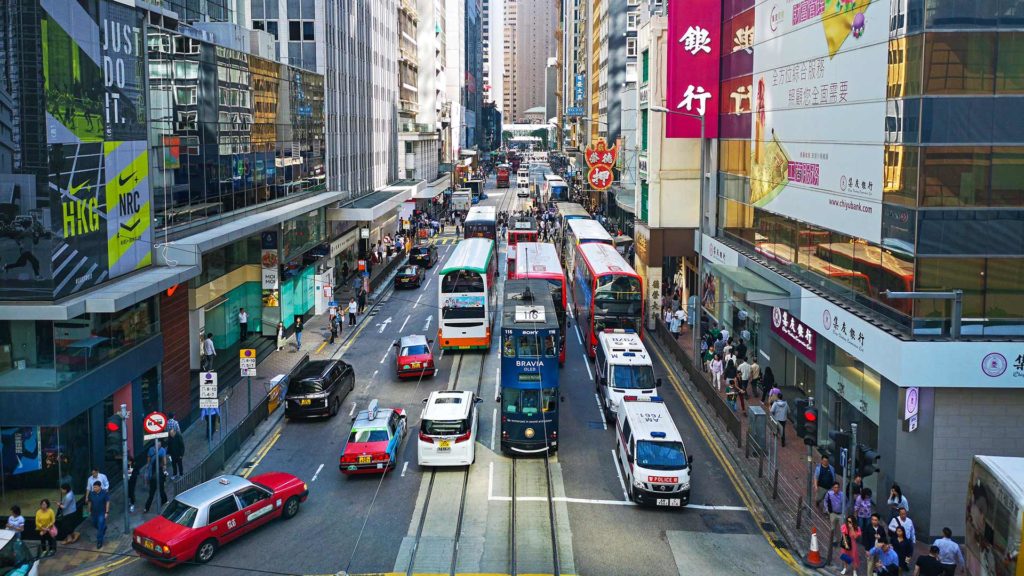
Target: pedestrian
(172,423)
(716,371)
(209,351)
(741,349)
(903,546)
(929,564)
(896,501)
(767,383)
(16,522)
(96,476)
(353,309)
(720,346)
(824,477)
(280,336)
(68,514)
(176,453)
(949,552)
(885,559)
(871,539)
(344,270)
(298,333)
(854,488)
(46,525)
(780,413)
(833,504)
(133,482)
(743,372)
(333,325)
(849,535)
(903,521)
(675,324)
(730,395)
(755,374)
(156,468)
(361,299)
(99,510)
(730,372)
(243,324)
(863,508)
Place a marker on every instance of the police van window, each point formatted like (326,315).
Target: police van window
(222,509)
(660,455)
(549,346)
(626,428)
(529,346)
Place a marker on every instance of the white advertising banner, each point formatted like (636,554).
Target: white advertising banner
(819,107)
(719,253)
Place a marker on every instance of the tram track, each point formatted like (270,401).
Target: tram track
(533,546)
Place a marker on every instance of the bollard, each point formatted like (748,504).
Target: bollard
(799,512)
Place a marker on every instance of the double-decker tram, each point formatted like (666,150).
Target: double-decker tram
(529,393)
(539,261)
(466,298)
(607,293)
(579,232)
(520,229)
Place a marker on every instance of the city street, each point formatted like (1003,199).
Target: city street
(409,522)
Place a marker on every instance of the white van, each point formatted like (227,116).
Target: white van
(650,450)
(622,366)
(448,429)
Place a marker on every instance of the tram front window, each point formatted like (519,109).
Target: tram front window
(528,402)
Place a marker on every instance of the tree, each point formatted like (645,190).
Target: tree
(506,136)
(541,133)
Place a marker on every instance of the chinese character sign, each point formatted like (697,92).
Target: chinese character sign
(794,332)
(693,50)
(600,158)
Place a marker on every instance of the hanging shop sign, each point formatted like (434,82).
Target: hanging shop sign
(600,158)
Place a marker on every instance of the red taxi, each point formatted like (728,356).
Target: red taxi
(415,358)
(372,446)
(202,519)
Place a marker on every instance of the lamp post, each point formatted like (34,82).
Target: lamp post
(700,226)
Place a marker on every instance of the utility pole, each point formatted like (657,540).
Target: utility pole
(124,462)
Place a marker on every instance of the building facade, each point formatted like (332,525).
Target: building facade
(533,40)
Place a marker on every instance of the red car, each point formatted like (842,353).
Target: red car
(202,519)
(372,445)
(415,358)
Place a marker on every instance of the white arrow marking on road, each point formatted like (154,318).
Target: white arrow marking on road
(404,468)
(402,329)
(317,473)
(426,327)
(384,324)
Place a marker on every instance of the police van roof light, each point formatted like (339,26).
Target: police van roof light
(657,399)
(658,434)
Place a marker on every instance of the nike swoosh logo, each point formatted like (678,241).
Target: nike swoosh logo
(132,227)
(124,179)
(72,190)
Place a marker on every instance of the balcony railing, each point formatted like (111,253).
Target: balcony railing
(408,106)
(409,56)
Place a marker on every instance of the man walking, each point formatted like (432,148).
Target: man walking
(353,309)
(298,333)
(156,467)
(950,554)
(833,504)
(743,371)
(96,476)
(929,565)
(176,452)
(209,351)
(886,559)
(901,520)
(824,477)
(780,413)
(243,324)
(99,510)
(871,538)
(361,299)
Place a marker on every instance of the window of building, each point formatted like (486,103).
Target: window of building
(959,62)
(632,21)
(631,47)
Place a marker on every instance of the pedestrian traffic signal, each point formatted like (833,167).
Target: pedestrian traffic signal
(811,426)
(867,461)
(801,411)
(114,423)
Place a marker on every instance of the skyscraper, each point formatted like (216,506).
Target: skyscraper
(533,42)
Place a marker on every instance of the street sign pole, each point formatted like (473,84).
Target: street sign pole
(159,473)
(124,463)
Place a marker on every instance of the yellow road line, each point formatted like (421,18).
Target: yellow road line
(321,347)
(263,452)
(109,566)
(759,518)
(352,338)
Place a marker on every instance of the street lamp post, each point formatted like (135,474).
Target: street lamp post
(700,227)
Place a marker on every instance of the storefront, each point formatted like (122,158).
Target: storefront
(345,252)
(375,215)
(790,347)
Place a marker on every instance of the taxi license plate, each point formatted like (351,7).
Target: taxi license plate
(305,402)
(148,545)
(415,364)
(669,502)
(364,459)
(444,445)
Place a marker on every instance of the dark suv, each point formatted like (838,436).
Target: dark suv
(318,387)
(424,255)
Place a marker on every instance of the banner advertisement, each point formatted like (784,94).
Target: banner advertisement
(693,60)
(19,446)
(817,64)
(270,276)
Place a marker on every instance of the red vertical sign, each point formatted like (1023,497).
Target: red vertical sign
(693,67)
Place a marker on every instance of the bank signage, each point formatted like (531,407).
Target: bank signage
(719,253)
(794,332)
(693,61)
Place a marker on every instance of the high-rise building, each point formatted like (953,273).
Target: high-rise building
(434,103)
(464,69)
(510,14)
(533,42)
(494,51)
(418,141)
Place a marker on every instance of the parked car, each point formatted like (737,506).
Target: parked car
(318,387)
(415,358)
(424,254)
(410,276)
(16,559)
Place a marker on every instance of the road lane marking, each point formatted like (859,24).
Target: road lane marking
(404,468)
(577,331)
(586,362)
(494,427)
(618,472)
(402,329)
(417,301)
(731,472)
(497,381)
(353,410)
(600,410)
(317,473)
(426,325)
(428,281)
(321,347)
(386,354)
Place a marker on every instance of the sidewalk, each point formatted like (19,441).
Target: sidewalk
(237,402)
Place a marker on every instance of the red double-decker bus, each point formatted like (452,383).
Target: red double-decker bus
(607,293)
(504,173)
(539,261)
(520,229)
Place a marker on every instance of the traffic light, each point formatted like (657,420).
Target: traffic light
(867,461)
(113,423)
(801,412)
(811,426)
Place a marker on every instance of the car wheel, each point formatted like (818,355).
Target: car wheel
(334,407)
(206,551)
(291,508)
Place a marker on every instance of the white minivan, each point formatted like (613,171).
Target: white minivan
(623,367)
(650,450)
(448,429)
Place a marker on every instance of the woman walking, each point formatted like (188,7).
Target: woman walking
(69,518)
(904,548)
(863,508)
(280,336)
(716,371)
(46,524)
(849,535)
(730,373)
(896,501)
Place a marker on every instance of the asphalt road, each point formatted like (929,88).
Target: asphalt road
(404,524)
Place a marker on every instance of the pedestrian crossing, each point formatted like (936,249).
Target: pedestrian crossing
(442,240)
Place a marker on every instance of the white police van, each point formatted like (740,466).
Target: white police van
(623,367)
(650,450)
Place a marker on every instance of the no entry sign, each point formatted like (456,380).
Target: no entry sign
(154,423)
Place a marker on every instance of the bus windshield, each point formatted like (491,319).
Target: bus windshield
(632,377)
(614,288)
(528,402)
(462,281)
(660,455)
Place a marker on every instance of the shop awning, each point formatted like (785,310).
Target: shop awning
(757,289)
(373,206)
(626,200)
(434,189)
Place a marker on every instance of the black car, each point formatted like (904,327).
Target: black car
(318,387)
(410,276)
(424,255)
